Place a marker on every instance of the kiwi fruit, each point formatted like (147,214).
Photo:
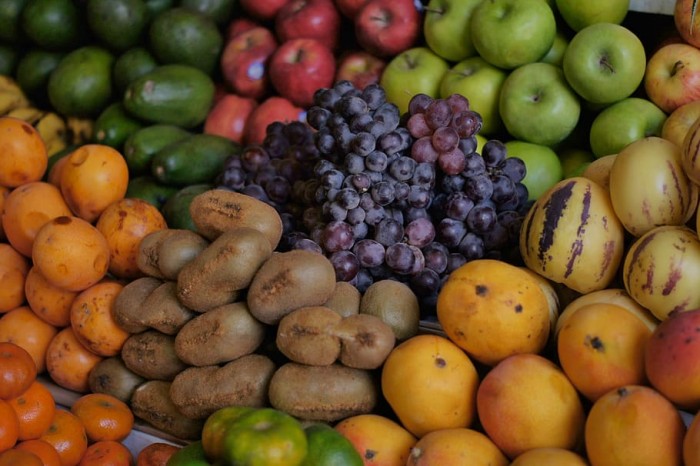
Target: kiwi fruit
(306,335)
(366,341)
(396,304)
(128,305)
(177,249)
(147,258)
(162,311)
(151,403)
(111,376)
(151,354)
(345,299)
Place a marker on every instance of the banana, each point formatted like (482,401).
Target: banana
(53,131)
(10,101)
(10,85)
(79,130)
(29,114)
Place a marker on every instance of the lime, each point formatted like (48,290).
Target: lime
(81,84)
(119,24)
(52,24)
(182,36)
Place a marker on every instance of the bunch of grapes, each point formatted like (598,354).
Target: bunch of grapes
(385,195)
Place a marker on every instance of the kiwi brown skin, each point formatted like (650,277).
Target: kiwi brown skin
(199,391)
(162,311)
(225,268)
(126,310)
(151,403)
(306,335)
(345,299)
(396,304)
(366,341)
(112,377)
(219,335)
(151,354)
(177,249)
(147,258)
(288,281)
(322,393)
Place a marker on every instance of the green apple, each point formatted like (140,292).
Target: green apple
(480,82)
(624,122)
(537,105)
(414,71)
(578,13)
(543,166)
(555,55)
(575,161)
(446,28)
(510,33)
(604,63)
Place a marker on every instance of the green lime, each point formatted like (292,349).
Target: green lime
(328,447)
(53,24)
(81,84)
(220,11)
(119,24)
(130,65)
(182,36)
(10,20)
(8,59)
(34,69)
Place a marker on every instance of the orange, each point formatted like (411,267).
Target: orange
(104,416)
(24,328)
(48,301)
(17,457)
(23,155)
(45,451)
(68,362)
(17,370)
(92,322)
(4,192)
(107,453)
(93,176)
(9,426)
(35,409)
(431,384)
(13,272)
(67,435)
(156,454)
(27,209)
(71,253)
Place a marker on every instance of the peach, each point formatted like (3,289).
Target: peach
(634,424)
(526,402)
(379,440)
(549,456)
(672,359)
(601,347)
(456,447)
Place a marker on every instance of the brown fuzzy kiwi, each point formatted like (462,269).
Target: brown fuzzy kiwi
(162,311)
(147,259)
(220,335)
(323,393)
(218,210)
(151,403)
(176,250)
(111,376)
(151,354)
(126,310)
(366,341)
(306,335)
(345,299)
(199,391)
(290,280)
(396,304)
(221,271)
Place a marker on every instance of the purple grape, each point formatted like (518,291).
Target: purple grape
(419,196)
(360,230)
(481,218)
(390,142)
(400,258)
(454,261)
(438,114)
(452,162)
(458,103)
(478,187)
(514,168)
(307,244)
(337,236)
(417,126)
(402,168)
(253,158)
(354,163)
(348,198)
(468,145)
(474,165)
(420,232)
(424,174)
(361,122)
(458,206)
(388,231)
(493,152)
(363,143)
(370,253)
(471,247)
(376,161)
(445,139)
(374,95)
(355,216)
(374,215)
(503,189)
(419,103)
(436,255)
(278,189)
(467,123)
(345,264)
(450,232)
(423,151)
(382,193)
(426,282)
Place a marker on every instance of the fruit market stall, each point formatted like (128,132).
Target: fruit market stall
(330,232)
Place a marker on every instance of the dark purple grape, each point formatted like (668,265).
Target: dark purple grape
(413,213)
(458,103)
(332,178)
(360,230)
(493,152)
(445,139)
(426,282)
(468,145)
(471,247)
(349,106)
(467,123)
(388,115)
(337,236)
(362,280)
(450,232)
(345,264)
(422,150)
(326,98)
(374,215)
(474,165)
(233,178)
(388,231)
(361,182)
(478,187)
(276,145)
(325,142)
(370,253)
(256,191)
(356,215)
(376,161)
(418,103)
(436,255)
(344,87)
(253,158)
(420,232)
(363,143)
(496,238)
(419,196)
(402,168)
(348,198)
(514,168)
(334,211)
(438,114)
(452,162)
(382,193)
(503,189)
(481,218)
(354,163)
(424,174)
(401,191)
(366,201)
(317,116)
(454,261)
(307,244)
(400,258)
(278,189)
(452,184)
(417,126)
(361,122)
(458,206)
(374,95)
(390,142)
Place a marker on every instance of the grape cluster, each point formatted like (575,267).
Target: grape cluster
(385,195)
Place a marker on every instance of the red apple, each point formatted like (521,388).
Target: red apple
(387,27)
(687,21)
(360,68)
(264,10)
(244,62)
(349,8)
(299,67)
(312,19)
(239,25)
(672,76)
(229,115)
(274,108)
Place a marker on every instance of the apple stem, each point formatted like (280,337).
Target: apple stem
(676,67)
(440,11)
(606,63)
(693,9)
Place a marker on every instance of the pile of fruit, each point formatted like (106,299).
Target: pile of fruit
(311,232)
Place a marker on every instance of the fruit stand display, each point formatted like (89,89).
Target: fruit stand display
(349,232)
